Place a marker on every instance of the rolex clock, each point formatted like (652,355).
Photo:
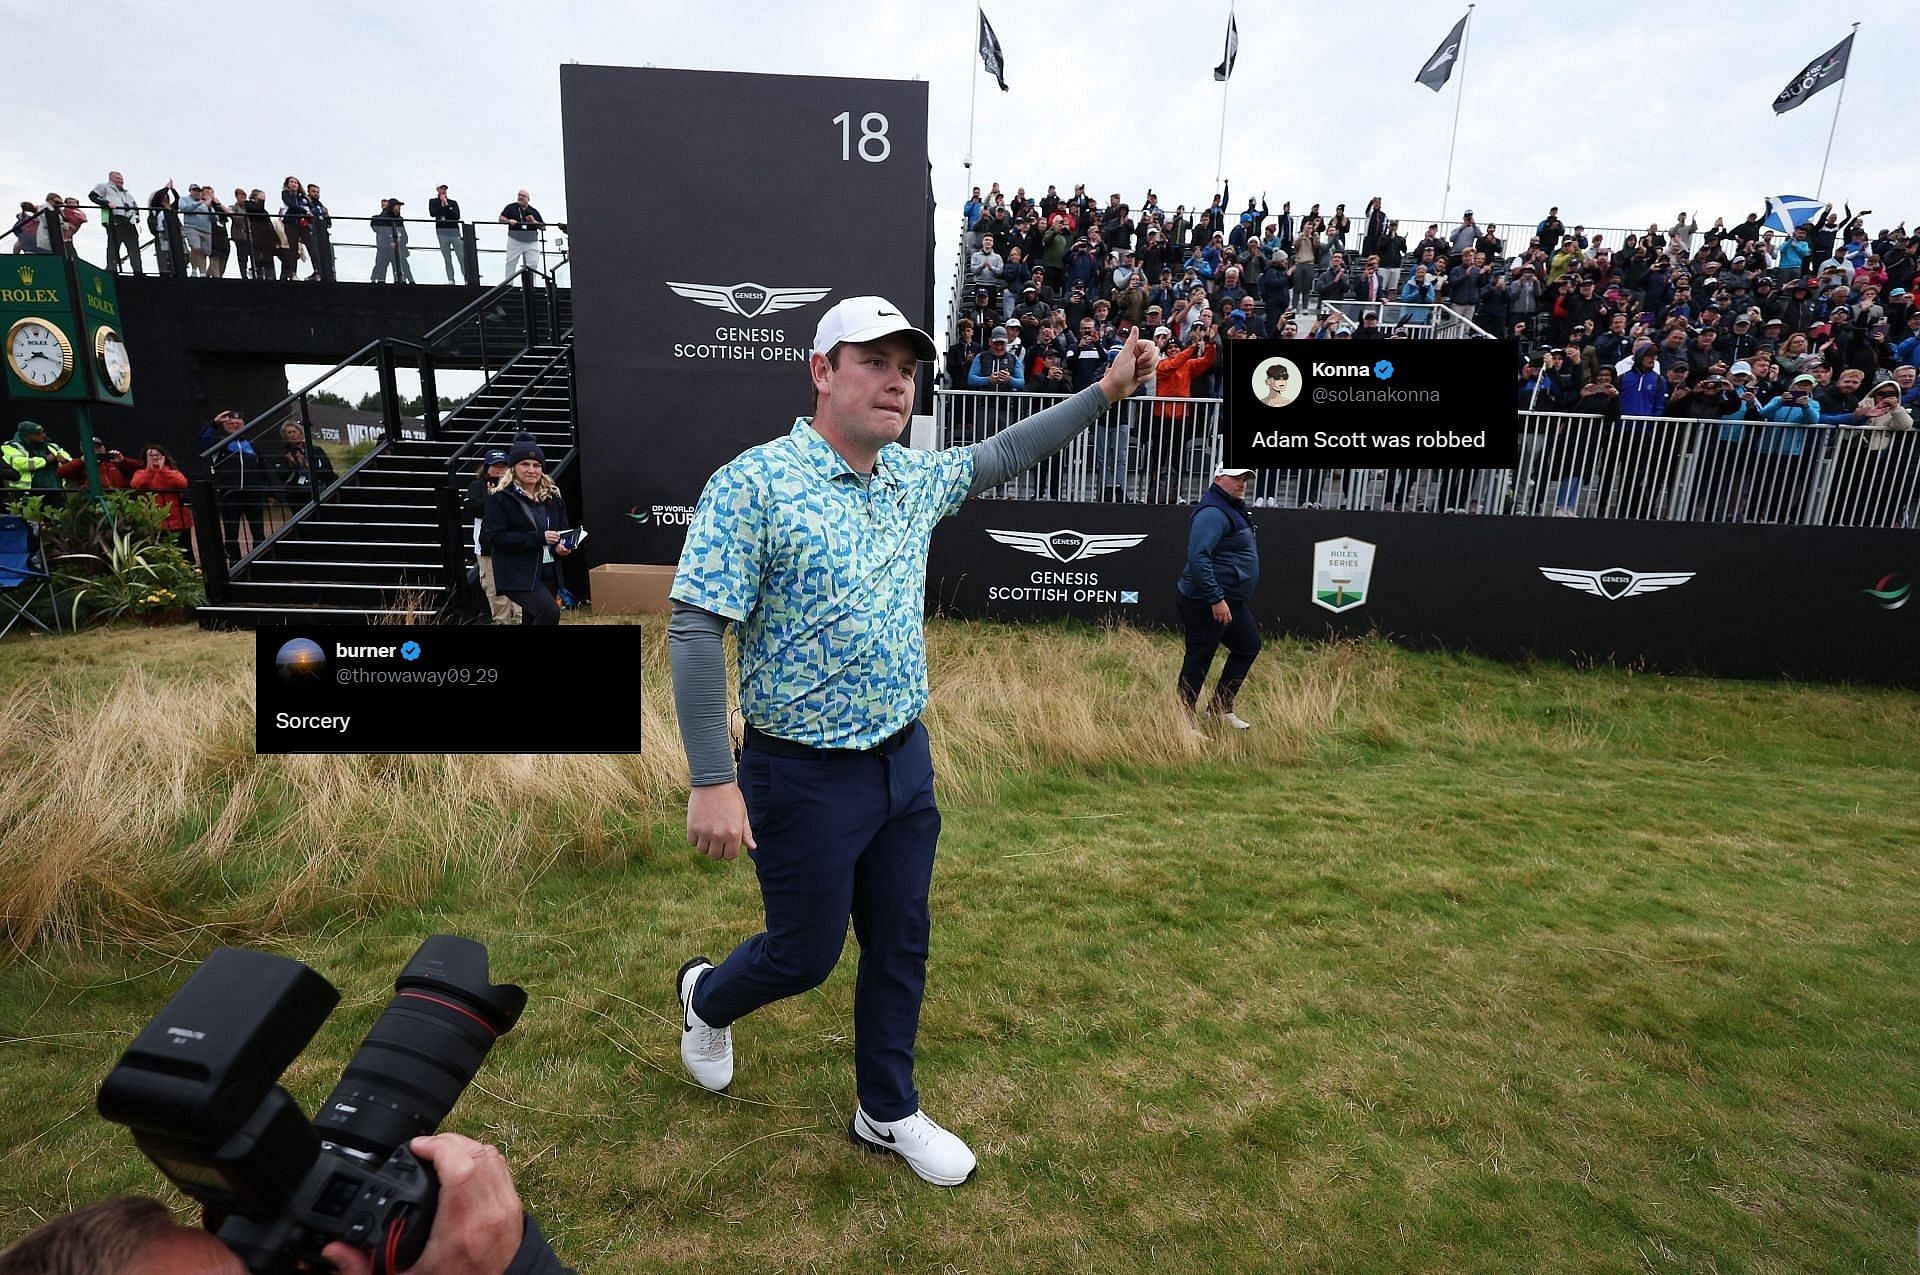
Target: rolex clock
(110,360)
(39,354)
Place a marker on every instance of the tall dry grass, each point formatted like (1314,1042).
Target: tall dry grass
(136,811)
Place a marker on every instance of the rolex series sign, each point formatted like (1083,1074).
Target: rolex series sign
(60,332)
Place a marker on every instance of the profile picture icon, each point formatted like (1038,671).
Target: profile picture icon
(1277,382)
(301,660)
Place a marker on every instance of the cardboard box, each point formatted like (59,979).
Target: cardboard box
(630,588)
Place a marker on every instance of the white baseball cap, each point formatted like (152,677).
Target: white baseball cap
(1228,472)
(861,319)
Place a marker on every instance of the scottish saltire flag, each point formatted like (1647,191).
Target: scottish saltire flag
(1439,67)
(1225,68)
(1826,69)
(1785,212)
(990,54)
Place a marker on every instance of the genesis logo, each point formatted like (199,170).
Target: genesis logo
(1891,591)
(1064,546)
(1614,583)
(748,300)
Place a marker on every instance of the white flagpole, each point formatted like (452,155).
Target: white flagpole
(1219,153)
(1834,127)
(1461,91)
(973,81)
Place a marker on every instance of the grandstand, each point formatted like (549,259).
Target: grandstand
(1732,314)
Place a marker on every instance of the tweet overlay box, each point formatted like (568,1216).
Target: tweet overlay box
(1371,404)
(391,688)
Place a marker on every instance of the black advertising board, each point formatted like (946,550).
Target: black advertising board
(1744,601)
(1372,404)
(714,218)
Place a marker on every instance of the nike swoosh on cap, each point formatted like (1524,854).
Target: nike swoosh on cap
(891,314)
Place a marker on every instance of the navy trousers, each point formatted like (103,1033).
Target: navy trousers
(1206,635)
(841,837)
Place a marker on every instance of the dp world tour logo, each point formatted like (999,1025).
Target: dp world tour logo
(748,300)
(1065,546)
(1614,583)
(662,515)
(1891,591)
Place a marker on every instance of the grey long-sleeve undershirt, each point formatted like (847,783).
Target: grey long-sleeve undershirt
(694,634)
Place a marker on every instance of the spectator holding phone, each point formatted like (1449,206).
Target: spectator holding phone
(161,478)
(116,471)
(296,218)
(1417,297)
(524,224)
(300,470)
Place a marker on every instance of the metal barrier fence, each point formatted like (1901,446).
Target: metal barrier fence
(1163,451)
(185,245)
(1159,450)
(1422,320)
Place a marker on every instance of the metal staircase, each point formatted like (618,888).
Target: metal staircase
(386,539)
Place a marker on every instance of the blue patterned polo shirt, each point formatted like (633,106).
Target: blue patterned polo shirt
(825,572)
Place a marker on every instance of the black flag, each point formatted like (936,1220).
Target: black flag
(1439,67)
(1225,68)
(990,54)
(1814,76)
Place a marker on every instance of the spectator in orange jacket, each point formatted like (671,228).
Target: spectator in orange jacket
(1182,423)
(163,480)
(1173,377)
(116,471)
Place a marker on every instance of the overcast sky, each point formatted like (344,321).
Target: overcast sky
(1617,122)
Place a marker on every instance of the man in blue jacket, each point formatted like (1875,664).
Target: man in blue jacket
(1214,594)
(1643,390)
(997,367)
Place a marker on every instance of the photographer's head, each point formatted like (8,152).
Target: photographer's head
(481,1229)
(126,1235)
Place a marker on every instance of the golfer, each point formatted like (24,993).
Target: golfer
(815,545)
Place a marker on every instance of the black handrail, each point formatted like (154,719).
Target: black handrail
(210,452)
(470,445)
(489,298)
(383,352)
(242,226)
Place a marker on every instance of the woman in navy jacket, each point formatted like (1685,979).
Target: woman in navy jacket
(521,528)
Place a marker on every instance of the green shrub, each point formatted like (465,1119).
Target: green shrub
(112,560)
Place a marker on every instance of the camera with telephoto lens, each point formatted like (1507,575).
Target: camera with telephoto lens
(199,1088)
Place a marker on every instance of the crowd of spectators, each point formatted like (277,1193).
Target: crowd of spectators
(1726,320)
(252,235)
(260,482)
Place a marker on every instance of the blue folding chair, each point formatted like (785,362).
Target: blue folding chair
(23,569)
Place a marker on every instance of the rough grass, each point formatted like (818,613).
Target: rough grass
(1448,966)
(149,815)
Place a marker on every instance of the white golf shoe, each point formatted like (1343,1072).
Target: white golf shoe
(1234,720)
(930,1151)
(707,1051)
